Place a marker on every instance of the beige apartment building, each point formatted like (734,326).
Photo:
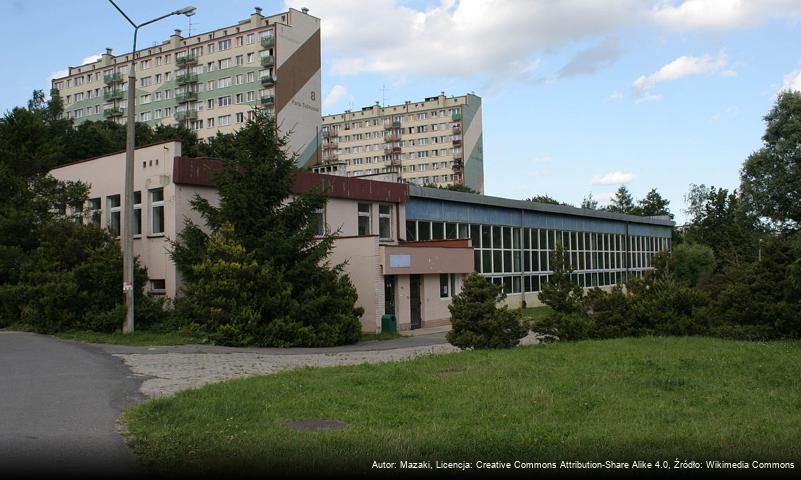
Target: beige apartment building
(213,82)
(436,142)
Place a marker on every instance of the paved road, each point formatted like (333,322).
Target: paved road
(59,403)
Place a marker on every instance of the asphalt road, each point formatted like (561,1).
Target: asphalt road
(59,404)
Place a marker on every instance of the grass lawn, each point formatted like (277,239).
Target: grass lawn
(648,398)
(138,338)
(536,313)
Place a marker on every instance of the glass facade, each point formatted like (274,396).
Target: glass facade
(518,258)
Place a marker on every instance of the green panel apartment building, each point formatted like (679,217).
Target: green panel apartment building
(213,82)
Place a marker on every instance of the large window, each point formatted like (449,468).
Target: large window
(137,223)
(364,219)
(385,222)
(94,211)
(157,211)
(113,220)
(447,285)
(318,220)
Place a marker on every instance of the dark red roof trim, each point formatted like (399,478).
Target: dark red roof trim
(200,172)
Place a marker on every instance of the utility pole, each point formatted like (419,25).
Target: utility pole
(127,233)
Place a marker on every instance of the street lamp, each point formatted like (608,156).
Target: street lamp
(127,237)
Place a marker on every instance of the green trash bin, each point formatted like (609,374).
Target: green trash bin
(389,324)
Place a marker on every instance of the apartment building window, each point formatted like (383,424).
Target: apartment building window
(364,219)
(209,123)
(94,211)
(385,222)
(224,82)
(210,48)
(146,81)
(224,101)
(224,120)
(158,61)
(240,98)
(240,41)
(137,219)
(225,44)
(145,99)
(168,58)
(114,211)
(251,57)
(224,63)
(158,113)
(196,51)
(167,76)
(240,117)
(158,78)
(240,59)
(251,77)
(157,96)
(157,211)
(210,67)
(210,104)
(250,39)
(145,116)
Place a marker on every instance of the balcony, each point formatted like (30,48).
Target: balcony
(268,81)
(456,117)
(186,115)
(268,41)
(330,133)
(186,97)
(393,137)
(267,61)
(267,100)
(330,157)
(457,140)
(392,162)
(457,130)
(112,95)
(392,149)
(112,79)
(112,113)
(186,61)
(186,78)
(329,146)
(457,157)
(391,125)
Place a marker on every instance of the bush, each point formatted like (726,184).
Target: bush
(71,280)
(477,320)
(692,263)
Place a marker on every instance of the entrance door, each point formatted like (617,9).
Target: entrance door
(414,301)
(389,295)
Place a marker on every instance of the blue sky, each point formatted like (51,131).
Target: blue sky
(578,96)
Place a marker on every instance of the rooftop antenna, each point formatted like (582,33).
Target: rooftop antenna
(189,16)
(383,95)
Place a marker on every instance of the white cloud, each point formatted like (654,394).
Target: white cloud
(792,81)
(91,59)
(58,74)
(499,39)
(723,14)
(614,178)
(590,60)
(335,95)
(616,95)
(684,66)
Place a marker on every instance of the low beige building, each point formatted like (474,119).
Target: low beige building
(368,217)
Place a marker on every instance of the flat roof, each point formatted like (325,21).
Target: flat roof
(486,200)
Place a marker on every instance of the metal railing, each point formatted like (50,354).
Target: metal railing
(186,61)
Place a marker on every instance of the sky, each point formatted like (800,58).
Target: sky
(578,96)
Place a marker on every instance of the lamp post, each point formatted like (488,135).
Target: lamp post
(127,233)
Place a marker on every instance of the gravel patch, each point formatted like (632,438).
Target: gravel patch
(168,373)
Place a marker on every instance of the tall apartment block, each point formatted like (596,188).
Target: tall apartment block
(434,142)
(214,81)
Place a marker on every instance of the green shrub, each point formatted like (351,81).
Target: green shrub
(477,320)
(692,263)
